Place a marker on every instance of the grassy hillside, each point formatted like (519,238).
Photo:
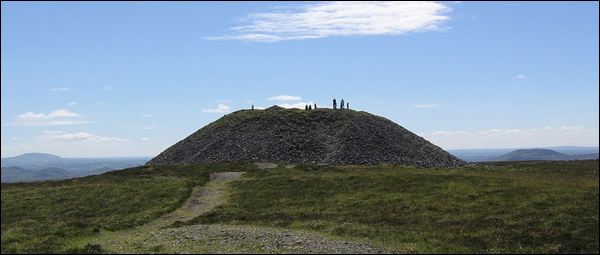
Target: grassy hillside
(43,217)
(17,174)
(507,207)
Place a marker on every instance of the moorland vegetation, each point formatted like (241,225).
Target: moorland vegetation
(495,207)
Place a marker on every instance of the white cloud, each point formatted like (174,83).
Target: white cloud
(54,114)
(421,106)
(285,98)
(147,115)
(514,131)
(543,129)
(521,76)
(491,132)
(145,139)
(142,127)
(514,138)
(48,132)
(60,89)
(222,108)
(81,137)
(451,133)
(108,87)
(48,123)
(574,128)
(300,105)
(72,103)
(42,119)
(325,19)
(31,115)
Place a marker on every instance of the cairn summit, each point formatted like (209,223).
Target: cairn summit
(319,136)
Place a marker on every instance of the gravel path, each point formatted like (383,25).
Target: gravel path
(159,237)
(247,239)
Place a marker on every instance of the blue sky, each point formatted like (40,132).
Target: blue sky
(105,79)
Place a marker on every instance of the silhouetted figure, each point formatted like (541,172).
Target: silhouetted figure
(306,107)
(334,104)
(315,105)
(310,107)
(342,104)
(252,107)
(348,106)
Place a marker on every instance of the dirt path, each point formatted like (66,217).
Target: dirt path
(202,200)
(142,239)
(157,237)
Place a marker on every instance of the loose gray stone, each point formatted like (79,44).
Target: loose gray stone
(320,136)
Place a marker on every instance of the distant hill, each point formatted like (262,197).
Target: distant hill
(97,172)
(319,136)
(31,158)
(17,174)
(478,155)
(541,154)
(43,166)
(481,155)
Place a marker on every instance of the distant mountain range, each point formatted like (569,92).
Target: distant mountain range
(541,154)
(43,166)
(549,153)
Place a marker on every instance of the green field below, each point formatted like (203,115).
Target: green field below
(500,207)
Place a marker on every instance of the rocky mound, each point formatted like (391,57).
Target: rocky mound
(320,136)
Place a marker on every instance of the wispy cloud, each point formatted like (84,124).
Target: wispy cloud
(521,76)
(53,132)
(451,133)
(421,106)
(573,128)
(225,101)
(49,123)
(72,103)
(285,98)
(147,115)
(60,89)
(42,119)
(515,138)
(145,139)
(221,109)
(312,21)
(82,136)
(300,105)
(548,128)
(54,114)
(142,127)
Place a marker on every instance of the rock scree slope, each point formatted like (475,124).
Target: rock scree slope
(319,136)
